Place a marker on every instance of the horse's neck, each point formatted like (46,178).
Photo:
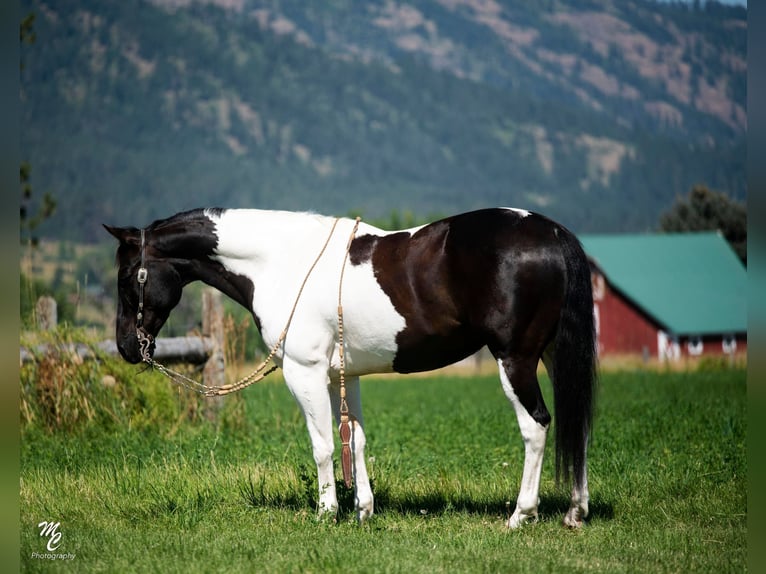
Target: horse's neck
(222,249)
(267,249)
(262,237)
(273,249)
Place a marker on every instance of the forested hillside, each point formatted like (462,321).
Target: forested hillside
(598,113)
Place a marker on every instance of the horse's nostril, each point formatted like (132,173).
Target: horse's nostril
(129,352)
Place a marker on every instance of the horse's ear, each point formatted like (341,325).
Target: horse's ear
(123,234)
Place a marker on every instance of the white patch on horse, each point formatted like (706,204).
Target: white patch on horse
(269,248)
(371,324)
(259,246)
(521,212)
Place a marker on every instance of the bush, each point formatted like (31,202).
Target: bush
(62,392)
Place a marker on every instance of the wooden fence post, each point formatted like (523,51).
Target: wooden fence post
(214,373)
(46,313)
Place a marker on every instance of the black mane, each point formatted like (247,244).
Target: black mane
(190,232)
(190,216)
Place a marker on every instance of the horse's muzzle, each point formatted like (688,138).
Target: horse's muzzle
(136,347)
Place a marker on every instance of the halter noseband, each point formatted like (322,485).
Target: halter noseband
(144,338)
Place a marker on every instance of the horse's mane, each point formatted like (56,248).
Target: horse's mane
(184,217)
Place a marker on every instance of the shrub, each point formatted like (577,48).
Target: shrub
(62,392)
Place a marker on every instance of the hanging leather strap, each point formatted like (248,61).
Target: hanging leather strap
(344,429)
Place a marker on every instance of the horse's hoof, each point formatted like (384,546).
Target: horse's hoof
(519,519)
(363,513)
(573,519)
(327,513)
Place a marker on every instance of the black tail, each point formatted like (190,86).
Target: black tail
(574,364)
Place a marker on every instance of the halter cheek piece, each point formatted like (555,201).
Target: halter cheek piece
(144,339)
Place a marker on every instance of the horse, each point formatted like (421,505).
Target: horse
(413,300)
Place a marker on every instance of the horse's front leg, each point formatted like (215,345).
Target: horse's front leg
(309,385)
(363,499)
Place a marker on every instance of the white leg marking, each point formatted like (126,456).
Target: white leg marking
(363,499)
(578,509)
(309,386)
(534,435)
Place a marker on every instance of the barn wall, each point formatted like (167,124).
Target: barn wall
(623,329)
(713,345)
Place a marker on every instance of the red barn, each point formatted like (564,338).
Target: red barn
(667,296)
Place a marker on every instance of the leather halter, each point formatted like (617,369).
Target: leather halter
(144,339)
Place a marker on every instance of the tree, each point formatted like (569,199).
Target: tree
(31,214)
(26,31)
(706,210)
(27,219)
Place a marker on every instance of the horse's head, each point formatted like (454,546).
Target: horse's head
(148,288)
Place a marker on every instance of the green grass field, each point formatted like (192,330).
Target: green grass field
(140,481)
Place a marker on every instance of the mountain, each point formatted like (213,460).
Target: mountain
(595,112)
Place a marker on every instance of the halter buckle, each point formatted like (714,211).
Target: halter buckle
(142,274)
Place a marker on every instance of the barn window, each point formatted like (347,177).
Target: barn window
(729,344)
(695,346)
(668,347)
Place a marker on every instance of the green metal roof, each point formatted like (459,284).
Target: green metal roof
(692,283)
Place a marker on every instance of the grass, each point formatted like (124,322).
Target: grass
(170,491)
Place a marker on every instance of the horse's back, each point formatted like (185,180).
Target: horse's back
(475,279)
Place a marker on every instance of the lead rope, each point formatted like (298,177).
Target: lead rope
(257,375)
(344,429)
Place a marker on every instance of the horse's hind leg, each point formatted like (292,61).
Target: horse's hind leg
(363,499)
(519,379)
(578,509)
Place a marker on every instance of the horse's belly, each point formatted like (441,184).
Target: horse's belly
(370,345)
(363,362)
(418,352)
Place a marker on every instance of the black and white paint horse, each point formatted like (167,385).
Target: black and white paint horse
(413,300)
